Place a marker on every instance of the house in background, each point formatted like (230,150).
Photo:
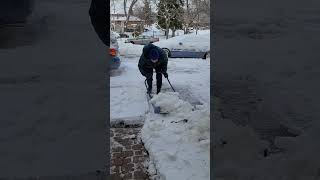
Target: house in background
(118,23)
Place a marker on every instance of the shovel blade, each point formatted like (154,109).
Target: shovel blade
(157,109)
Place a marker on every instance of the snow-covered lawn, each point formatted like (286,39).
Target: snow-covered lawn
(179,142)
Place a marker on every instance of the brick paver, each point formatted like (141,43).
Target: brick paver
(127,155)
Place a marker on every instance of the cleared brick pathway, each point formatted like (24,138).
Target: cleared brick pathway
(127,155)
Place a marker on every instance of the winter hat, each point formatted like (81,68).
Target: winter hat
(154,54)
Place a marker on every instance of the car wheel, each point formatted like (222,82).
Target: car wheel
(132,42)
(167,51)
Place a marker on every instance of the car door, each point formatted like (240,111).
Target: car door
(139,40)
(145,40)
(180,49)
(188,48)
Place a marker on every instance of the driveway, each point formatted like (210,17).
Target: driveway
(52,77)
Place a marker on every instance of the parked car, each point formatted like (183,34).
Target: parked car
(123,35)
(136,34)
(187,46)
(143,40)
(114,52)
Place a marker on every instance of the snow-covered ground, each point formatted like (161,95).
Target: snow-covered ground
(178,143)
(127,94)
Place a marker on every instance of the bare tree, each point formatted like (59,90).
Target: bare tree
(206,7)
(198,15)
(195,12)
(125,7)
(139,12)
(147,12)
(133,2)
(189,16)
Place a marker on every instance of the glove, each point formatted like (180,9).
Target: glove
(165,74)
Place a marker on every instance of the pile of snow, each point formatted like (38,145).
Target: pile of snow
(177,32)
(115,34)
(178,143)
(153,33)
(153,30)
(129,50)
(153,27)
(180,106)
(199,42)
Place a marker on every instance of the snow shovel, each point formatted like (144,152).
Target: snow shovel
(156,109)
(170,85)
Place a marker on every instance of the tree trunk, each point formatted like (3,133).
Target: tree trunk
(188,18)
(125,7)
(167,33)
(125,13)
(167,28)
(198,16)
(187,28)
(130,12)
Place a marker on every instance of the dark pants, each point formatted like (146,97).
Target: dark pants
(148,73)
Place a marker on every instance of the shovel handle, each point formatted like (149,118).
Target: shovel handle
(171,85)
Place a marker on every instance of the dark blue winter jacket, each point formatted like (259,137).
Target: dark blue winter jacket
(146,63)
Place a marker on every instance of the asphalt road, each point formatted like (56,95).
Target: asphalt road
(53,93)
(266,66)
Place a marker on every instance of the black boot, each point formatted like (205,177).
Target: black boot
(159,82)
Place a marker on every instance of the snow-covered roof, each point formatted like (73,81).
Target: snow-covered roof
(117,17)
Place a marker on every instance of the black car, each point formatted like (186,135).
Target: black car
(15,11)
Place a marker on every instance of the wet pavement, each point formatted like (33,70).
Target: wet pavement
(52,91)
(266,68)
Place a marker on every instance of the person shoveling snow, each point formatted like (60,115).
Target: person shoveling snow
(153,57)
